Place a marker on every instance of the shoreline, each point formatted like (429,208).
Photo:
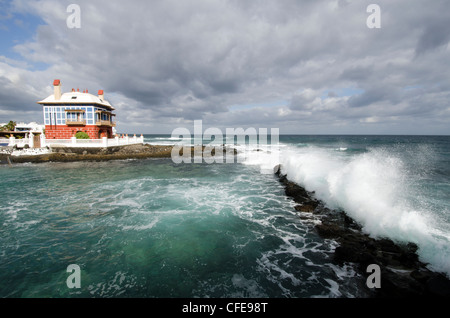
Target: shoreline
(71,154)
(402,274)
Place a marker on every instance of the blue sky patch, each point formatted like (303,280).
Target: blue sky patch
(17,28)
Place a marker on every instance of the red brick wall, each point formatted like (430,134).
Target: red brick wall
(67,132)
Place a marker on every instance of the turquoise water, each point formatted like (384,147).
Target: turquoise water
(153,228)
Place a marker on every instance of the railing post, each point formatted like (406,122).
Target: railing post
(74,140)
(12,141)
(117,140)
(43,141)
(31,140)
(105,141)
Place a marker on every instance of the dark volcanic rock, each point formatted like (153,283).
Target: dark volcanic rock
(402,273)
(305,208)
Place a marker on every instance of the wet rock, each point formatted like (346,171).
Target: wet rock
(438,285)
(329,230)
(402,273)
(277,170)
(305,208)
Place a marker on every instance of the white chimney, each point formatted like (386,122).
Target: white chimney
(57,89)
(101,94)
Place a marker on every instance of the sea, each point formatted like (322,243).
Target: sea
(154,228)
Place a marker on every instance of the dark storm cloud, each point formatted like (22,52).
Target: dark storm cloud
(374,95)
(357,74)
(434,35)
(15,97)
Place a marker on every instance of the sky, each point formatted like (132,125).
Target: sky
(303,66)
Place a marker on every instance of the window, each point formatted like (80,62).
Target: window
(90,116)
(46,119)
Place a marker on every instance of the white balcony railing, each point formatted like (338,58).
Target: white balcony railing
(76,122)
(105,123)
(73,142)
(104,142)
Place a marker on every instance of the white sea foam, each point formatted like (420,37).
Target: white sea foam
(374,188)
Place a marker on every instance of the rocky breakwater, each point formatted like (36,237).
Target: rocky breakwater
(402,274)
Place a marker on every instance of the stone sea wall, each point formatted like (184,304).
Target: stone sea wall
(68,154)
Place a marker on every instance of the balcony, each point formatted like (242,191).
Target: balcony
(106,123)
(76,122)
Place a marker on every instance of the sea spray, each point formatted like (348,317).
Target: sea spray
(377,187)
